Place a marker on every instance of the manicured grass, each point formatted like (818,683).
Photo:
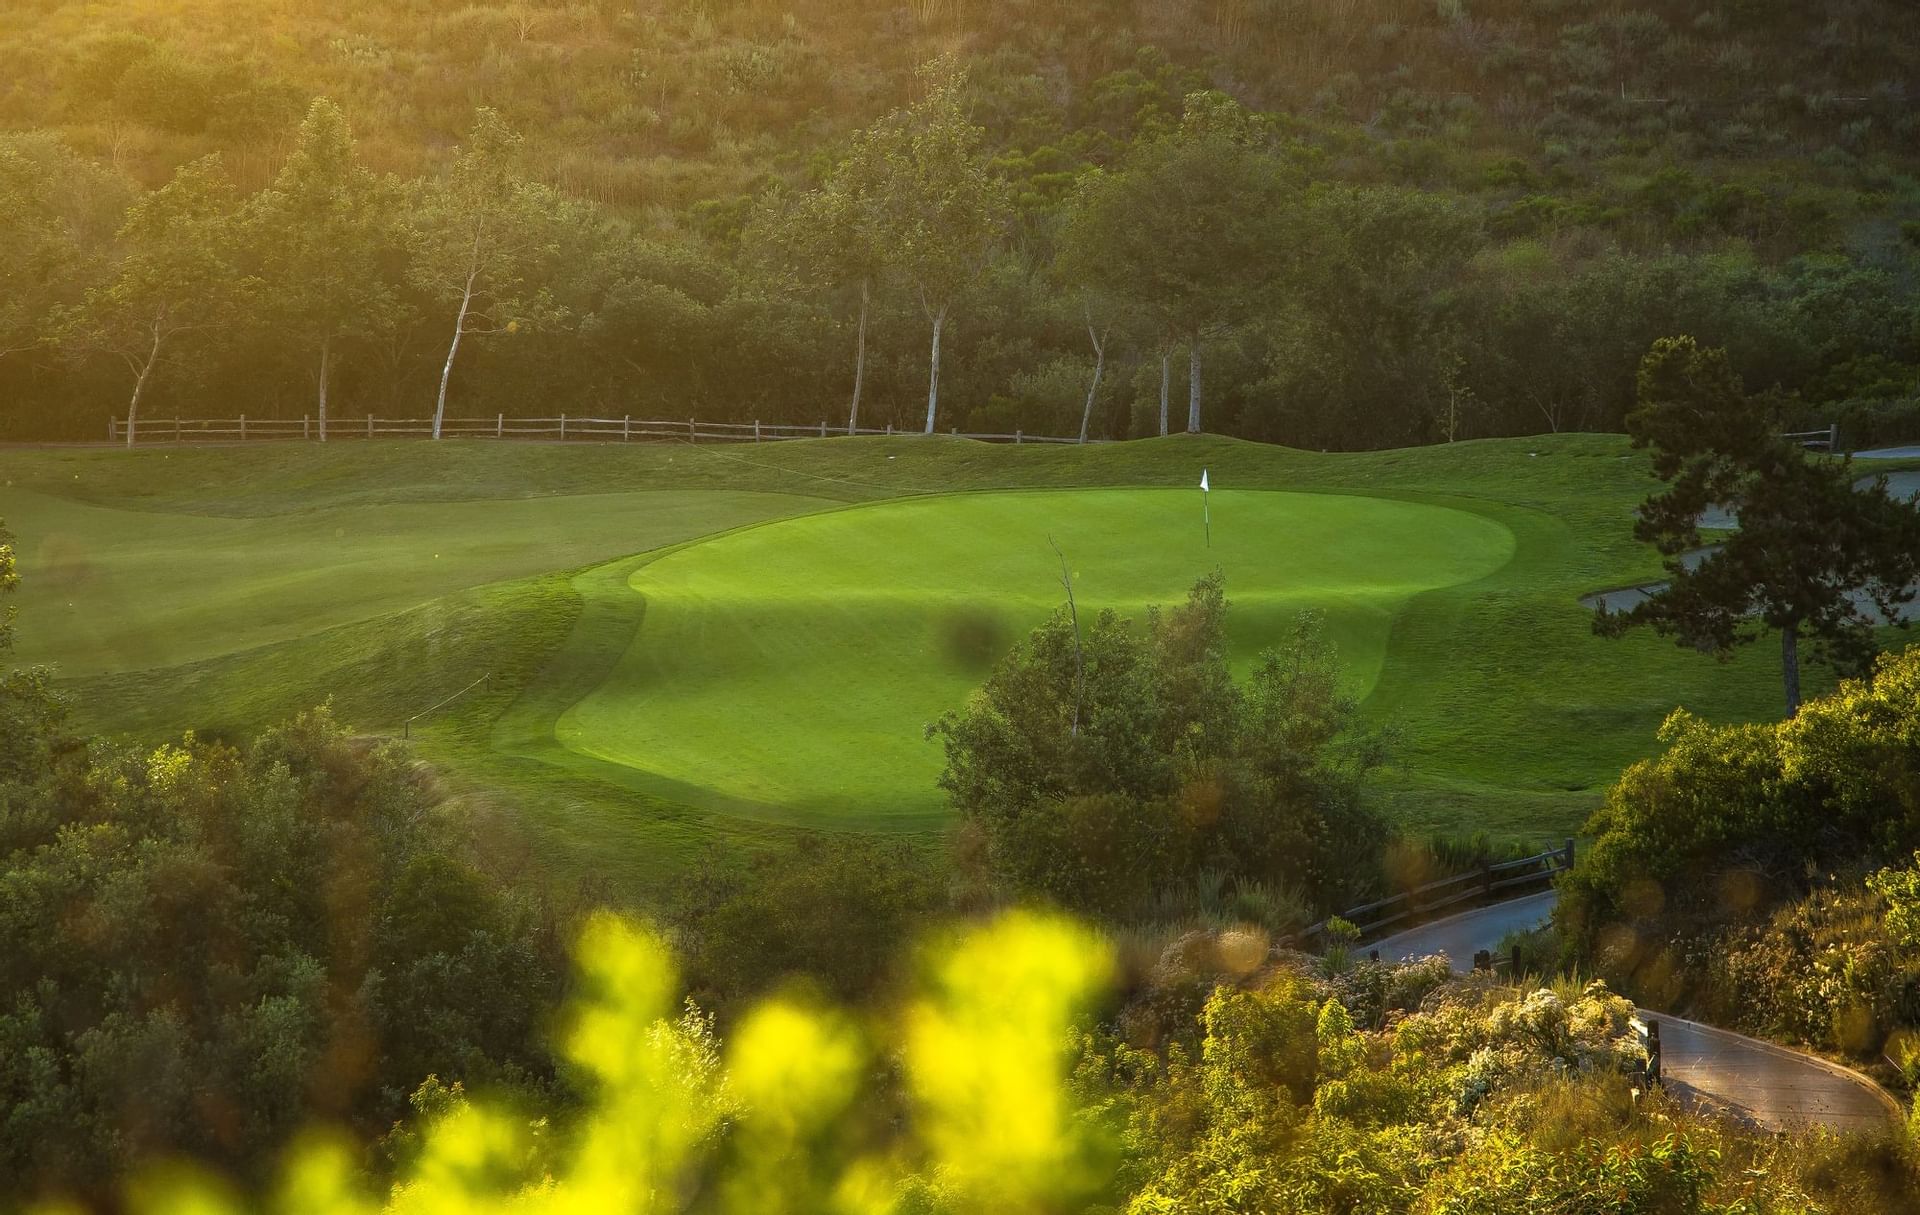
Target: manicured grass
(697,647)
(788,671)
(113,589)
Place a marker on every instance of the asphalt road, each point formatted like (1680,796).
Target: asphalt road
(1769,1085)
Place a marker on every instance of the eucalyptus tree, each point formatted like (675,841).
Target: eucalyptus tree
(1194,230)
(943,206)
(173,273)
(322,240)
(478,239)
(836,236)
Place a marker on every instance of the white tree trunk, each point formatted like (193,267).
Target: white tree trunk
(326,373)
(1193,388)
(446,373)
(1166,385)
(1099,366)
(140,385)
(860,357)
(933,379)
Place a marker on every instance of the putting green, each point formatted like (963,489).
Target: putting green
(787,672)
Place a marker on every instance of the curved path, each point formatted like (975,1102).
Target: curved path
(1766,1084)
(1899,484)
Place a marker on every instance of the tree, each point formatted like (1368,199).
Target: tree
(1194,230)
(480,233)
(837,235)
(321,245)
(52,205)
(1814,558)
(1106,772)
(174,275)
(943,204)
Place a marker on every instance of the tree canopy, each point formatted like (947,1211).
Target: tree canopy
(1813,555)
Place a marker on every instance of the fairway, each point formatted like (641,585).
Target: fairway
(788,670)
(130,590)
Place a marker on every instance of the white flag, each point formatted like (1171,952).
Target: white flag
(1203,480)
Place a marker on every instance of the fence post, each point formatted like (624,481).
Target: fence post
(626,428)
(756,430)
(953,430)
(306,426)
(823,428)
(889,430)
(1833,438)
(499,425)
(563,427)
(1483,960)
(693,436)
(1569,853)
(1018,436)
(113,429)
(243,428)
(369,426)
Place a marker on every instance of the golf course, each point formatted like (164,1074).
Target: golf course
(607,620)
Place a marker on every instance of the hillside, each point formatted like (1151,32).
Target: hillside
(1407,222)
(655,105)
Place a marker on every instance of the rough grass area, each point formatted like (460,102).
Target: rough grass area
(699,646)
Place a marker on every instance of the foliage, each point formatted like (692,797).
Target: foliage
(1725,872)
(1102,770)
(829,910)
(1812,556)
(1484,1099)
(1490,210)
(323,246)
(204,947)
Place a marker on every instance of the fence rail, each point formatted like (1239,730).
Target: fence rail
(1827,437)
(1485,882)
(626,429)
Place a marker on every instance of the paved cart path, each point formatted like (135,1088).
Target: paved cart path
(1770,1085)
(1902,485)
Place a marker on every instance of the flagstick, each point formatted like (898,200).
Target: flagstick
(1206,514)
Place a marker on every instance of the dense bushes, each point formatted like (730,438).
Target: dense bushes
(829,911)
(1111,771)
(204,948)
(1728,872)
(995,1093)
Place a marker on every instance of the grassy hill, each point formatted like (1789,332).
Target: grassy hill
(704,646)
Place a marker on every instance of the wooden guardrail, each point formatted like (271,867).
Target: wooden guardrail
(1486,882)
(1827,437)
(624,429)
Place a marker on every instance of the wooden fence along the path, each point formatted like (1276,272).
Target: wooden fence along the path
(1487,882)
(500,426)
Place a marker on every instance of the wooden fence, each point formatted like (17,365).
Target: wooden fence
(500,426)
(1827,439)
(1485,883)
